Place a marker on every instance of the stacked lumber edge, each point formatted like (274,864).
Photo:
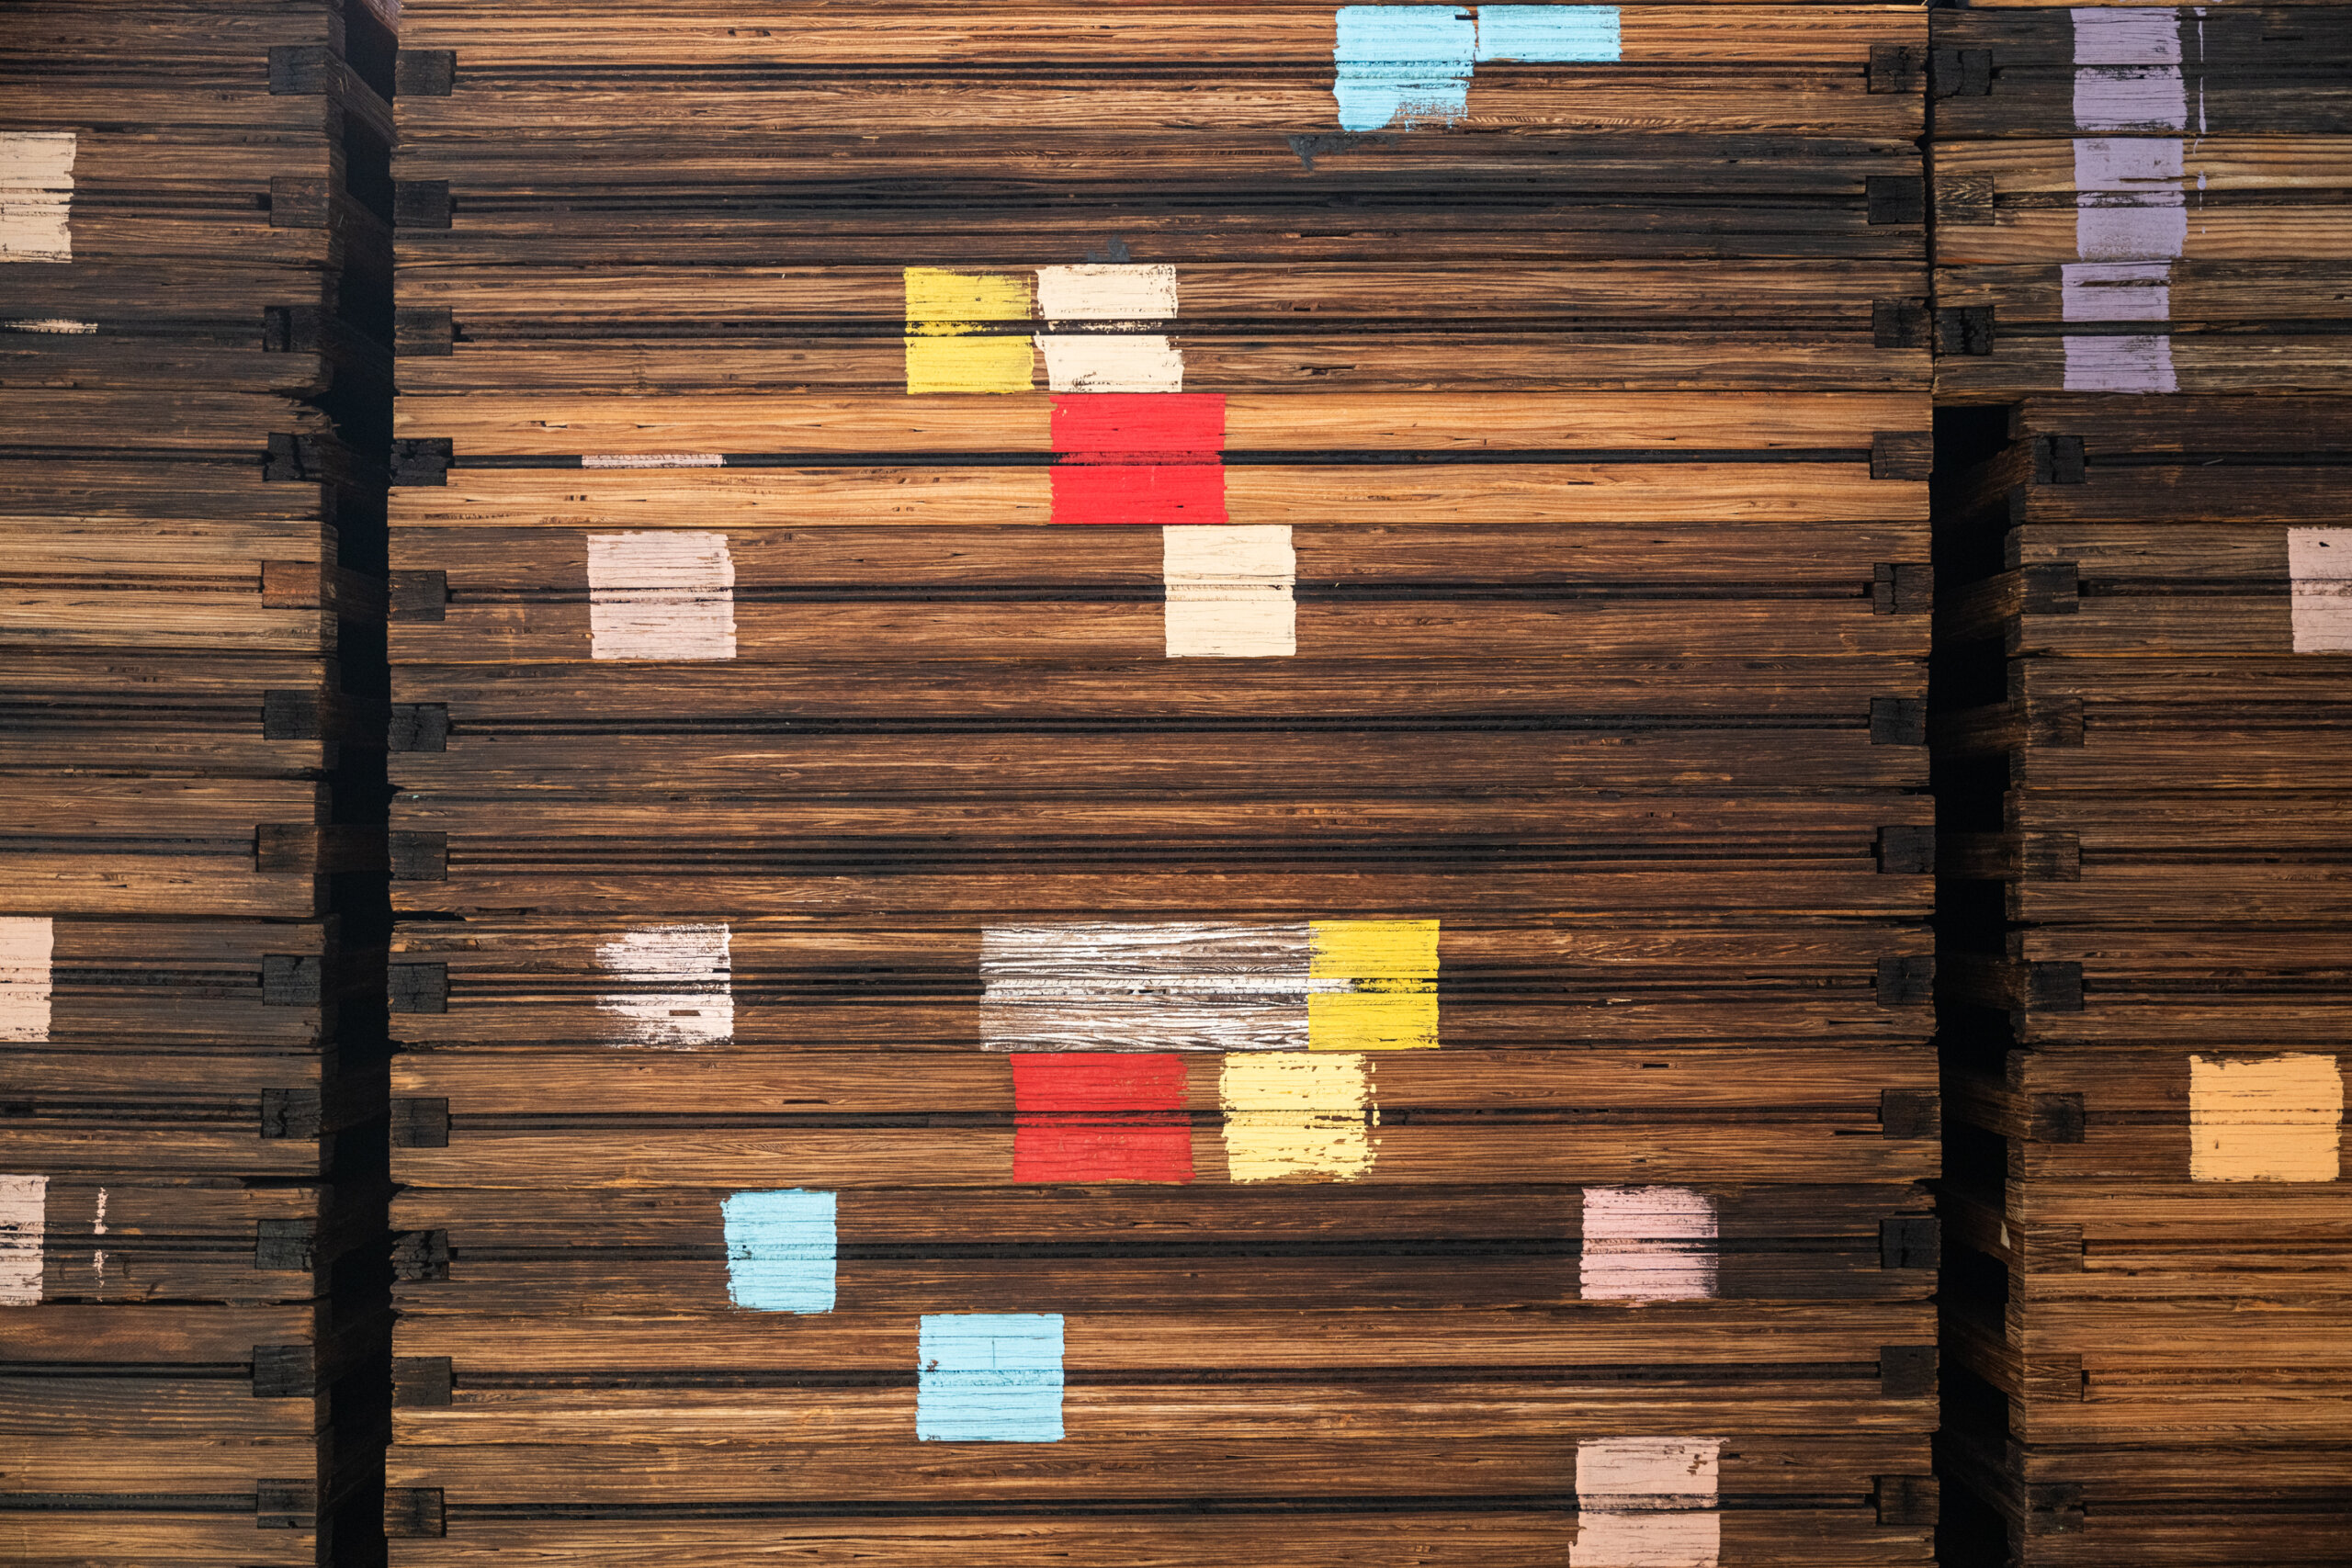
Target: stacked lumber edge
(2145,655)
(195,347)
(1150,812)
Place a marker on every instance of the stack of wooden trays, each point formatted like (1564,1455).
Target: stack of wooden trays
(195,255)
(1161,785)
(2145,660)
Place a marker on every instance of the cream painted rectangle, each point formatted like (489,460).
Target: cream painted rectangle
(2319,571)
(24,1204)
(1648,1244)
(1648,1503)
(27,945)
(36,195)
(1231,591)
(1297,1113)
(2265,1118)
(1107,292)
(680,985)
(1109,362)
(660,595)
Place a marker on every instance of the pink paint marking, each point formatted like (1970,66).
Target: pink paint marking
(1100,1116)
(1139,459)
(1653,1244)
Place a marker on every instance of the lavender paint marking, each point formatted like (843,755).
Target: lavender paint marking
(2135,363)
(2114,291)
(2128,199)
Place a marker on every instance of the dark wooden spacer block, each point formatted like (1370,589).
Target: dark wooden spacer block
(291,979)
(423,1382)
(292,459)
(1896,67)
(283,1372)
(2053,985)
(428,330)
(1906,851)
(286,1506)
(413,1513)
(1967,329)
(1899,323)
(1907,1372)
(420,857)
(418,595)
(301,68)
(291,715)
(424,73)
(1895,198)
(284,1245)
(1961,72)
(1910,1241)
(1908,980)
(292,1113)
(2054,1119)
(1898,721)
(2055,1508)
(1906,1499)
(2060,460)
(420,204)
(1902,588)
(420,1123)
(423,462)
(1909,1113)
(419,987)
(420,726)
(421,1255)
(300,201)
(1903,455)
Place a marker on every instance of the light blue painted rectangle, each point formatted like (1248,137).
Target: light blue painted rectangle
(990,1377)
(781,1248)
(1403,62)
(1548,34)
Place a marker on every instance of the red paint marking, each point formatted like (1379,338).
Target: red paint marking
(1139,459)
(1100,1116)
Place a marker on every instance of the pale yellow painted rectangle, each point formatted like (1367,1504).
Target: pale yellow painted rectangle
(1288,1114)
(2265,1118)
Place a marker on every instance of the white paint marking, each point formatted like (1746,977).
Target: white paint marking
(1648,1503)
(1164,986)
(27,943)
(652,460)
(36,195)
(53,326)
(2319,567)
(24,1206)
(1106,293)
(660,595)
(1654,1243)
(1230,591)
(1121,362)
(680,985)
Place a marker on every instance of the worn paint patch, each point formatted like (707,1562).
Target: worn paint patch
(2114,291)
(679,984)
(1292,1114)
(2134,363)
(1373,985)
(2319,571)
(51,326)
(990,1377)
(1107,1117)
(36,195)
(2265,1118)
(1549,35)
(652,460)
(948,349)
(1648,1244)
(27,945)
(782,1248)
(2130,98)
(2129,202)
(1403,64)
(1648,1503)
(24,1206)
(2126,35)
(1231,592)
(660,595)
(1158,985)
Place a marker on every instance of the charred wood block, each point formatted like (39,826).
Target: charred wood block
(1896,67)
(1961,72)
(420,857)
(2059,460)
(2054,1119)
(1908,1113)
(423,462)
(420,726)
(420,1123)
(1910,1241)
(291,979)
(420,204)
(1906,1499)
(303,68)
(420,596)
(424,73)
(1907,1372)
(283,1372)
(1908,980)
(1902,588)
(301,201)
(428,330)
(1896,199)
(1898,721)
(284,1245)
(1906,851)
(292,459)
(2053,987)
(420,988)
(292,1113)
(1899,323)
(1902,455)
(291,715)
(423,1382)
(421,1255)
(1967,329)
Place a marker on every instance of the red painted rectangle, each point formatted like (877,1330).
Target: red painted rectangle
(1139,427)
(1139,494)
(1100,1116)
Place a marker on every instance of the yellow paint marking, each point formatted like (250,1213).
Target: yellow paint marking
(944,352)
(1372,986)
(1289,1114)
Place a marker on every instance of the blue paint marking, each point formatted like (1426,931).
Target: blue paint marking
(1548,34)
(1403,62)
(991,1378)
(780,1250)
